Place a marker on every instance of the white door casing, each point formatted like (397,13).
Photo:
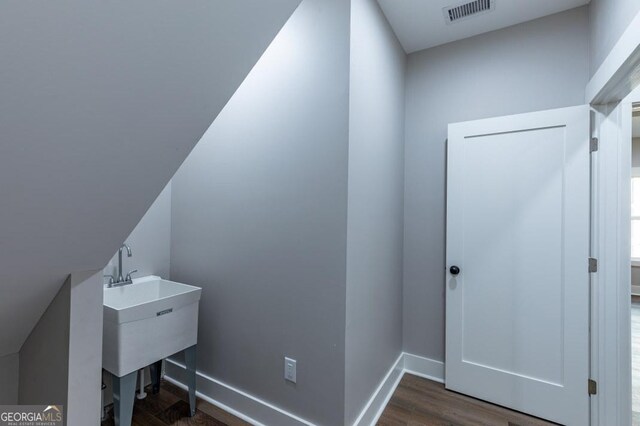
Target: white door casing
(517,318)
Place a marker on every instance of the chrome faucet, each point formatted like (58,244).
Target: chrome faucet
(120,280)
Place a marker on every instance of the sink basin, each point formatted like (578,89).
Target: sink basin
(147,321)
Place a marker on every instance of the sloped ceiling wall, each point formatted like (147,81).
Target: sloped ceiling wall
(100,102)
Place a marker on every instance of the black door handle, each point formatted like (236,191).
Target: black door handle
(454,270)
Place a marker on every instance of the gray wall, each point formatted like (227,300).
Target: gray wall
(85,348)
(9,365)
(635,276)
(150,241)
(44,357)
(635,152)
(608,20)
(259,218)
(101,103)
(533,66)
(61,360)
(375,199)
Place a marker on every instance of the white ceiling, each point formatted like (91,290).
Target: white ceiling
(420,24)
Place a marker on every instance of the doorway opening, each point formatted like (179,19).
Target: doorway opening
(635,264)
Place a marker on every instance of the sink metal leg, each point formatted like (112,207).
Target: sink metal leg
(190,361)
(156,370)
(124,390)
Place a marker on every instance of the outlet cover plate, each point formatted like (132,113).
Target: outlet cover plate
(290,369)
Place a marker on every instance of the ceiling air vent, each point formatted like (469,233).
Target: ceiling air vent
(467,10)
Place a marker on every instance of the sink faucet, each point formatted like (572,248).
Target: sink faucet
(120,280)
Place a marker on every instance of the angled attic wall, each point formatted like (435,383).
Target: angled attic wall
(608,19)
(100,102)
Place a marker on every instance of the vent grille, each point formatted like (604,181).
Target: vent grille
(457,13)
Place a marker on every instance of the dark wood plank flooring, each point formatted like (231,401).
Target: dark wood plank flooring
(422,402)
(416,402)
(170,407)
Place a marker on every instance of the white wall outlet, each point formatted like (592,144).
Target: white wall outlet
(290,369)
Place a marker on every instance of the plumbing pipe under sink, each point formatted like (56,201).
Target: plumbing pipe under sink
(141,393)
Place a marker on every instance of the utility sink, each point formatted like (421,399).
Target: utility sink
(147,321)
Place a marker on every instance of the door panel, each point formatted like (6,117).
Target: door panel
(518,228)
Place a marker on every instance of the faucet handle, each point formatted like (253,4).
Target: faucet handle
(112,279)
(128,278)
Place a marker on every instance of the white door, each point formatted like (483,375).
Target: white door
(517,318)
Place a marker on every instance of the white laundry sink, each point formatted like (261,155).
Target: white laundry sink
(147,321)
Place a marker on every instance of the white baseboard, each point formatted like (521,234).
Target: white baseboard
(260,413)
(378,401)
(406,363)
(424,367)
(235,401)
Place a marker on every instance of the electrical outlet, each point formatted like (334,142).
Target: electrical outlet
(290,369)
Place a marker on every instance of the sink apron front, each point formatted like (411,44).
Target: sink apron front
(144,341)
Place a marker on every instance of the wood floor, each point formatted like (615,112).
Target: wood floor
(170,407)
(422,402)
(416,402)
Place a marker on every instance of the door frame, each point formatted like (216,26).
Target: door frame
(611,285)
(611,93)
